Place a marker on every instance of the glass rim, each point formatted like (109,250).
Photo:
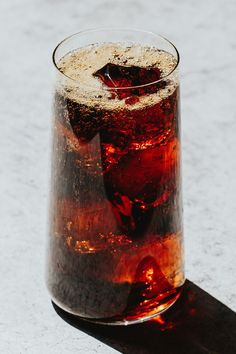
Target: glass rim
(115,29)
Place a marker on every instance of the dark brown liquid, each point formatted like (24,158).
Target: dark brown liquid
(116,249)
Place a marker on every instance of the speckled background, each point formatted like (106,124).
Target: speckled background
(205,34)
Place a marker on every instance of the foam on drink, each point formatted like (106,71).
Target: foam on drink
(80,84)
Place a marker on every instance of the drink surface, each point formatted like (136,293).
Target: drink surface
(116,222)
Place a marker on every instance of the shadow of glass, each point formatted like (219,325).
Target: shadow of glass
(196,324)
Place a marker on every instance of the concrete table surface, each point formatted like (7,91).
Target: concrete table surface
(205,34)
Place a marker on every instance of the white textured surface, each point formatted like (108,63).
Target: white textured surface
(205,33)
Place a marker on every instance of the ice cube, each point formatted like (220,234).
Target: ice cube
(149,282)
(85,121)
(144,174)
(118,76)
(139,182)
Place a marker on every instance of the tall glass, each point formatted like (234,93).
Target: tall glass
(116,247)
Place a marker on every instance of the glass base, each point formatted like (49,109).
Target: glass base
(141,313)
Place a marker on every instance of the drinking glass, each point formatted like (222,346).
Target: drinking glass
(115,252)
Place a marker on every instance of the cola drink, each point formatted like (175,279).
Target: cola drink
(116,252)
